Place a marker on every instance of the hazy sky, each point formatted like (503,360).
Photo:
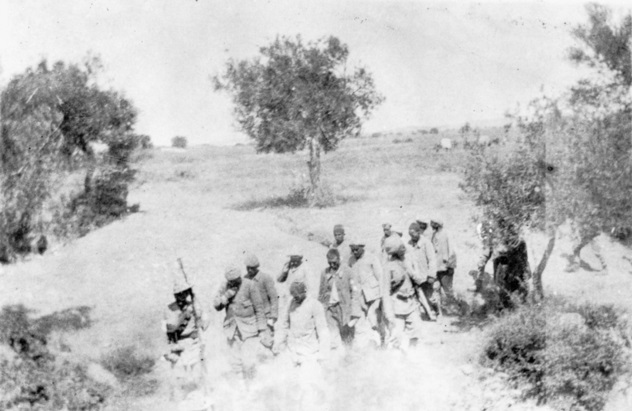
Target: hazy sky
(437,63)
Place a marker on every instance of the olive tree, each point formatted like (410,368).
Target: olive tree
(298,95)
(50,118)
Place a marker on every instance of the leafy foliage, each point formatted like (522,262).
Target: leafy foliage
(299,95)
(34,379)
(51,117)
(560,353)
(179,142)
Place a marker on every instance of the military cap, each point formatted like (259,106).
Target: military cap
(339,229)
(333,254)
(232,273)
(414,226)
(251,260)
(393,244)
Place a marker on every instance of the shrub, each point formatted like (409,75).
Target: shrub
(179,142)
(34,378)
(126,362)
(568,364)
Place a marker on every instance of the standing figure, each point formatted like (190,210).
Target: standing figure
(423,255)
(293,270)
(184,320)
(245,320)
(341,245)
(303,328)
(386,228)
(403,312)
(338,293)
(510,262)
(373,289)
(266,287)
(446,258)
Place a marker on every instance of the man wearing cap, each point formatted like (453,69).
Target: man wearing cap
(265,283)
(339,295)
(245,320)
(423,255)
(373,287)
(303,328)
(403,312)
(183,322)
(386,228)
(341,245)
(446,257)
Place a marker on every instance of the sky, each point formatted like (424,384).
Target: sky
(437,63)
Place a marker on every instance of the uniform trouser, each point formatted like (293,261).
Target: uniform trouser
(366,329)
(186,370)
(338,330)
(445,279)
(407,327)
(243,354)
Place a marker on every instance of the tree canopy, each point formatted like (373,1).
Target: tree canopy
(298,95)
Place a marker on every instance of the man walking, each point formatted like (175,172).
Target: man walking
(338,294)
(267,290)
(294,270)
(244,321)
(184,320)
(373,287)
(303,328)
(403,313)
(446,258)
(423,255)
(341,245)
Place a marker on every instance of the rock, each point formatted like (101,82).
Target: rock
(99,374)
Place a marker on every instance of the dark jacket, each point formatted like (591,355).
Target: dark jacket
(348,291)
(244,312)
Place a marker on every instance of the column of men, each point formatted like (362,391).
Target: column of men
(359,301)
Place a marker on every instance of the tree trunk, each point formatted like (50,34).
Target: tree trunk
(314,168)
(537,274)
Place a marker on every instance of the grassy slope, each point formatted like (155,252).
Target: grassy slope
(189,201)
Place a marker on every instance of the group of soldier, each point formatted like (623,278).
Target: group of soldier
(359,301)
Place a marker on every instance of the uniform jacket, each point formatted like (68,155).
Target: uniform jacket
(446,257)
(403,278)
(244,312)
(304,328)
(423,256)
(348,291)
(370,276)
(268,292)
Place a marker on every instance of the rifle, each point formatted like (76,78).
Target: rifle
(198,325)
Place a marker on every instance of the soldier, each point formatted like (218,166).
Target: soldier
(510,261)
(386,228)
(266,289)
(403,312)
(184,320)
(244,321)
(341,245)
(303,328)
(424,257)
(446,258)
(294,270)
(338,293)
(373,288)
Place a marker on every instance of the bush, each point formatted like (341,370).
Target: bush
(33,378)
(558,353)
(126,363)
(179,142)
